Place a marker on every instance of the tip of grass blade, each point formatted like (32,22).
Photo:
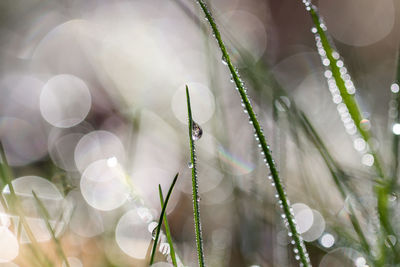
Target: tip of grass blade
(153,251)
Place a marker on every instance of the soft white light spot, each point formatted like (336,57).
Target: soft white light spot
(112,162)
(9,247)
(316,229)
(202,102)
(65,101)
(396,128)
(359,144)
(132,235)
(394,88)
(367,160)
(303,216)
(98,145)
(360,262)
(103,187)
(327,240)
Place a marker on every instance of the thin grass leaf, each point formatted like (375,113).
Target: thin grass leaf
(298,242)
(395,105)
(195,186)
(46,218)
(153,252)
(167,231)
(337,72)
(15,205)
(347,92)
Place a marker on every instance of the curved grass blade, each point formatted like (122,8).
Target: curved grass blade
(46,218)
(195,186)
(167,231)
(298,242)
(153,251)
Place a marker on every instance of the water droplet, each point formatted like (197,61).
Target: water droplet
(197,132)
(394,88)
(154,233)
(223,59)
(190,165)
(365,124)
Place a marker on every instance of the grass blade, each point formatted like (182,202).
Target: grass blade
(396,121)
(167,231)
(46,218)
(298,242)
(195,186)
(153,252)
(7,177)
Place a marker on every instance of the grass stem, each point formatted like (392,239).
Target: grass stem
(195,186)
(167,230)
(161,219)
(298,242)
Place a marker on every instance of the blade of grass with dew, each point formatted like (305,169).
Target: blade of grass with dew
(299,244)
(167,231)
(153,251)
(344,85)
(396,124)
(195,186)
(15,206)
(46,218)
(346,89)
(336,171)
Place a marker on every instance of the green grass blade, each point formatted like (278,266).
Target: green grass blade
(299,244)
(15,205)
(153,251)
(195,187)
(346,94)
(395,137)
(46,218)
(167,231)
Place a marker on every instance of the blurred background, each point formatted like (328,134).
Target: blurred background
(93,117)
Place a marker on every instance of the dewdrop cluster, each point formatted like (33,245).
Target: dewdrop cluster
(334,62)
(393,108)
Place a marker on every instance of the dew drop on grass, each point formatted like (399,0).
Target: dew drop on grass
(154,233)
(197,132)
(190,165)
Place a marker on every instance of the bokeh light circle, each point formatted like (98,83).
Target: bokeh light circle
(65,101)
(85,221)
(304,217)
(98,145)
(201,100)
(370,20)
(132,235)
(103,185)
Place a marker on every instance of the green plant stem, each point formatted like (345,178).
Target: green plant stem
(46,217)
(348,99)
(396,137)
(15,206)
(161,218)
(195,187)
(302,252)
(167,230)
(382,190)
